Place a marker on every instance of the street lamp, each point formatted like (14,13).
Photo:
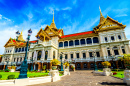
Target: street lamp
(61,61)
(7,61)
(32,63)
(24,66)
(95,65)
(114,67)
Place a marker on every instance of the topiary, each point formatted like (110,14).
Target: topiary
(11,76)
(7,70)
(0,76)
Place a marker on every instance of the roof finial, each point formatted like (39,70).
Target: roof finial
(53,17)
(100,11)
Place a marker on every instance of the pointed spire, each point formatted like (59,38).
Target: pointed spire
(21,32)
(21,36)
(101,16)
(53,17)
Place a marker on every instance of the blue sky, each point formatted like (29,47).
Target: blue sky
(71,15)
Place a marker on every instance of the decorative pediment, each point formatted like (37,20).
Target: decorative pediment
(109,24)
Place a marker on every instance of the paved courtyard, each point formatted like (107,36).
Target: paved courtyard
(85,78)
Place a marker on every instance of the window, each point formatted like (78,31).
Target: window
(19,49)
(61,44)
(90,54)
(25,48)
(14,59)
(66,56)
(105,39)
(123,51)
(20,59)
(82,41)
(76,42)
(116,52)
(89,41)
(22,49)
(70,43)
(16,50)
(119,37)
(95,40)
(17,59)
(71,56)
(112,38)
(84,55)
(98,54)
(108,51)
(66,44)
(77,54)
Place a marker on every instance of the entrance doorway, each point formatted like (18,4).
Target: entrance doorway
(92,66)
(78,67)
(36,67)
(85,66)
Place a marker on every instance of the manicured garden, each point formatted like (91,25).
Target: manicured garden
(29,74)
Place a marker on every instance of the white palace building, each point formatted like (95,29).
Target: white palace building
(106,42)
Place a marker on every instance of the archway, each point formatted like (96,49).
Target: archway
(91,66)
(85,66)
(39,55)
(78,66)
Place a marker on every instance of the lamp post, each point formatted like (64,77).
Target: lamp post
(24,66)
(7,61)
(32,63)
(61,61)
(95,65)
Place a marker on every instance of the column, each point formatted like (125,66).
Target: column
(80,54)
(127,49)
(87,54)
(111,51)
(74,43)
(120,50)
(74,55)
(92,40)
(68,55)
(30,55)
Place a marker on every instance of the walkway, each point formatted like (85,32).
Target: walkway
(85,78)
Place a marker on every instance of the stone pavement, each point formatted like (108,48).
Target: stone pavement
(85,78)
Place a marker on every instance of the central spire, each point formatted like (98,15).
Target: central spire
(53,17)
(101,16)
(53,23)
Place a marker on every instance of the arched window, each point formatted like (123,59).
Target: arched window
(70,43)
(116,50)
(39,55)
(46,55)
(89,41)
(76,42)
(95,40)
(22,49)
(65,43)
(16,50)
(19,49)
(61,44)
(82,41)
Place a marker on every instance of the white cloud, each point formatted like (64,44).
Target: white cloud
(121,15)
(7,19)
(66,8)
(0,16)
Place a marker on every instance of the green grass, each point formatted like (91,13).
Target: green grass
(29,74)
(119,74)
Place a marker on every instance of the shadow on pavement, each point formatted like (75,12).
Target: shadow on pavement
(112,83)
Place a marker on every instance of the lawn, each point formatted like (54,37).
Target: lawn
(118,73)
(29,74)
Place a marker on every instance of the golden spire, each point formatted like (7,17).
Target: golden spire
(101,16)
(21,36)
(53,23)
(53,17)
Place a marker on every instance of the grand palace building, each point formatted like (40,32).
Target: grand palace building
(106,42)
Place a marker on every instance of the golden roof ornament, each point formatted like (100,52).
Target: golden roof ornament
(21,36)
(102,19)
(53,23)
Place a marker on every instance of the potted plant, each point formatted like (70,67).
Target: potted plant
(54,63)
(126,59)
(44,67)
(73,68)
(106,70)
(66,64)
(12,69)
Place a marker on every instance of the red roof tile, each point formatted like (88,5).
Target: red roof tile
(76,34)
(33,41)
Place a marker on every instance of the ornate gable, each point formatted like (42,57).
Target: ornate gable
(109,24)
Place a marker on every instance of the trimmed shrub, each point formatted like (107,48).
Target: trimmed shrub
(7,70)
(1,70)
(11,76)
(0,76)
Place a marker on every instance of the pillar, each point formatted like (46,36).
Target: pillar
(39,66)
